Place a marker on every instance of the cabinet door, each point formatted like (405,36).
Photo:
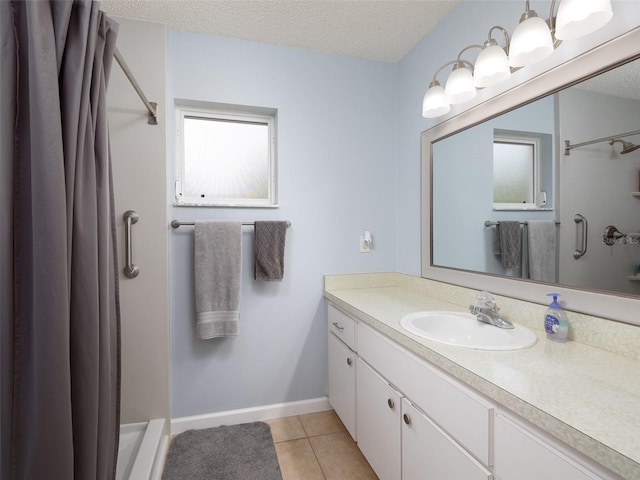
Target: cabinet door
(378,422)
(464,415)
(342,382)
(429,453)
(521,455)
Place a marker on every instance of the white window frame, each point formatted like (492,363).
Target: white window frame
(516,139)
(240,114)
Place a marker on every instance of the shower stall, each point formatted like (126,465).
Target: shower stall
(139,177)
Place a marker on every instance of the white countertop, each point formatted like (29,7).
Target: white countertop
(587,397)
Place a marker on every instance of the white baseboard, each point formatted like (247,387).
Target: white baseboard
(246,415)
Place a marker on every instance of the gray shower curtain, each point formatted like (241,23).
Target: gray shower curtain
(59,302)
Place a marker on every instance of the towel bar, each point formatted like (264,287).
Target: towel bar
(178,224)
(489,223)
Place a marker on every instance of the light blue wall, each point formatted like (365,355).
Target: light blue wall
(336,174)
(349,161)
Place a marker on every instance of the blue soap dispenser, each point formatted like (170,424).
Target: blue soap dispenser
(555,322)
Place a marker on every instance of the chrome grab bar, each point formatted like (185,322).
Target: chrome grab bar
(130,218)
(579,252)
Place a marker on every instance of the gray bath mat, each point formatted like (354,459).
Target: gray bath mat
(237,452)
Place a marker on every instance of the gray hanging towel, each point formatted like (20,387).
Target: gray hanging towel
(508,243)
(270,237)
(218,264)
(542,250)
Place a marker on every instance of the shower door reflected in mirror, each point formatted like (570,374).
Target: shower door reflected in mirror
(594,180)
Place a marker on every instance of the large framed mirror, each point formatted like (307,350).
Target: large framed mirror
(539,156)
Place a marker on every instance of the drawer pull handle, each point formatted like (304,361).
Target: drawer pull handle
(407,419)
(337,325)
(391,404)
(349,361)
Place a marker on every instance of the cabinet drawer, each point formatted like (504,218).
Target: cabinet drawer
(463,414)
(428,452)
(522,455)
(343,326)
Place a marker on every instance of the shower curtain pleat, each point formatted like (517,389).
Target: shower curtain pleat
(64,320)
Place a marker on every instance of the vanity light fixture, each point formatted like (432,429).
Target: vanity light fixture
(460,87)
(492,64)
(577,18)
(533,40)
(435,101)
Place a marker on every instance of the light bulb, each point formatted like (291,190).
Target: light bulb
(531,42)
(577,18)
(492,66)
(435,101)
(459,87)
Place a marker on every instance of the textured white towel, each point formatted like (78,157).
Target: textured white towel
(218,265)
(542,250)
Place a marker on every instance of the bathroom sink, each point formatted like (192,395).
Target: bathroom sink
(464,330)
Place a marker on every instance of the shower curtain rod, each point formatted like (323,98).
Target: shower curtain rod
(177,224)
(151,106)
(568,146)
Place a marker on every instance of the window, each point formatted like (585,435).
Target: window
(522,170)
(225,156)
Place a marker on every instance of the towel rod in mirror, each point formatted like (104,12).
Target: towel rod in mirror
(489,223)
(177,223)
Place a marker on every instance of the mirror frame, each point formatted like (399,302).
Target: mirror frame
(620,307)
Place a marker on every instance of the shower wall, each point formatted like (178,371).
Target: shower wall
(596,181)
(139,175)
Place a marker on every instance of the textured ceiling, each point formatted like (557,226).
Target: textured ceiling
(621,82)
(384,30)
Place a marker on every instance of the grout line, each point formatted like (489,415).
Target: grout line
(324,475)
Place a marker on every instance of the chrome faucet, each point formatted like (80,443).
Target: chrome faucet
(488,312)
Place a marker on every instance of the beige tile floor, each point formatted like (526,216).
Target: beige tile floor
(317,446)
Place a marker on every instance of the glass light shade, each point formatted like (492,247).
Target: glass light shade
(435,102)
(459,87)
(577,18)
(530,43)
(492,66)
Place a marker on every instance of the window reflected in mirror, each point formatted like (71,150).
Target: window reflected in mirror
(521,177)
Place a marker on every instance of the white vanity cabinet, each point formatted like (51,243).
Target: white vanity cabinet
(396,436)
(378,416)
(416,422)
(464,415)
(429,453)
(524,454)
(341,372)
(400,441)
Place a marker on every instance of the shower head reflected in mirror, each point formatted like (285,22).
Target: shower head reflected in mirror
(627,147)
